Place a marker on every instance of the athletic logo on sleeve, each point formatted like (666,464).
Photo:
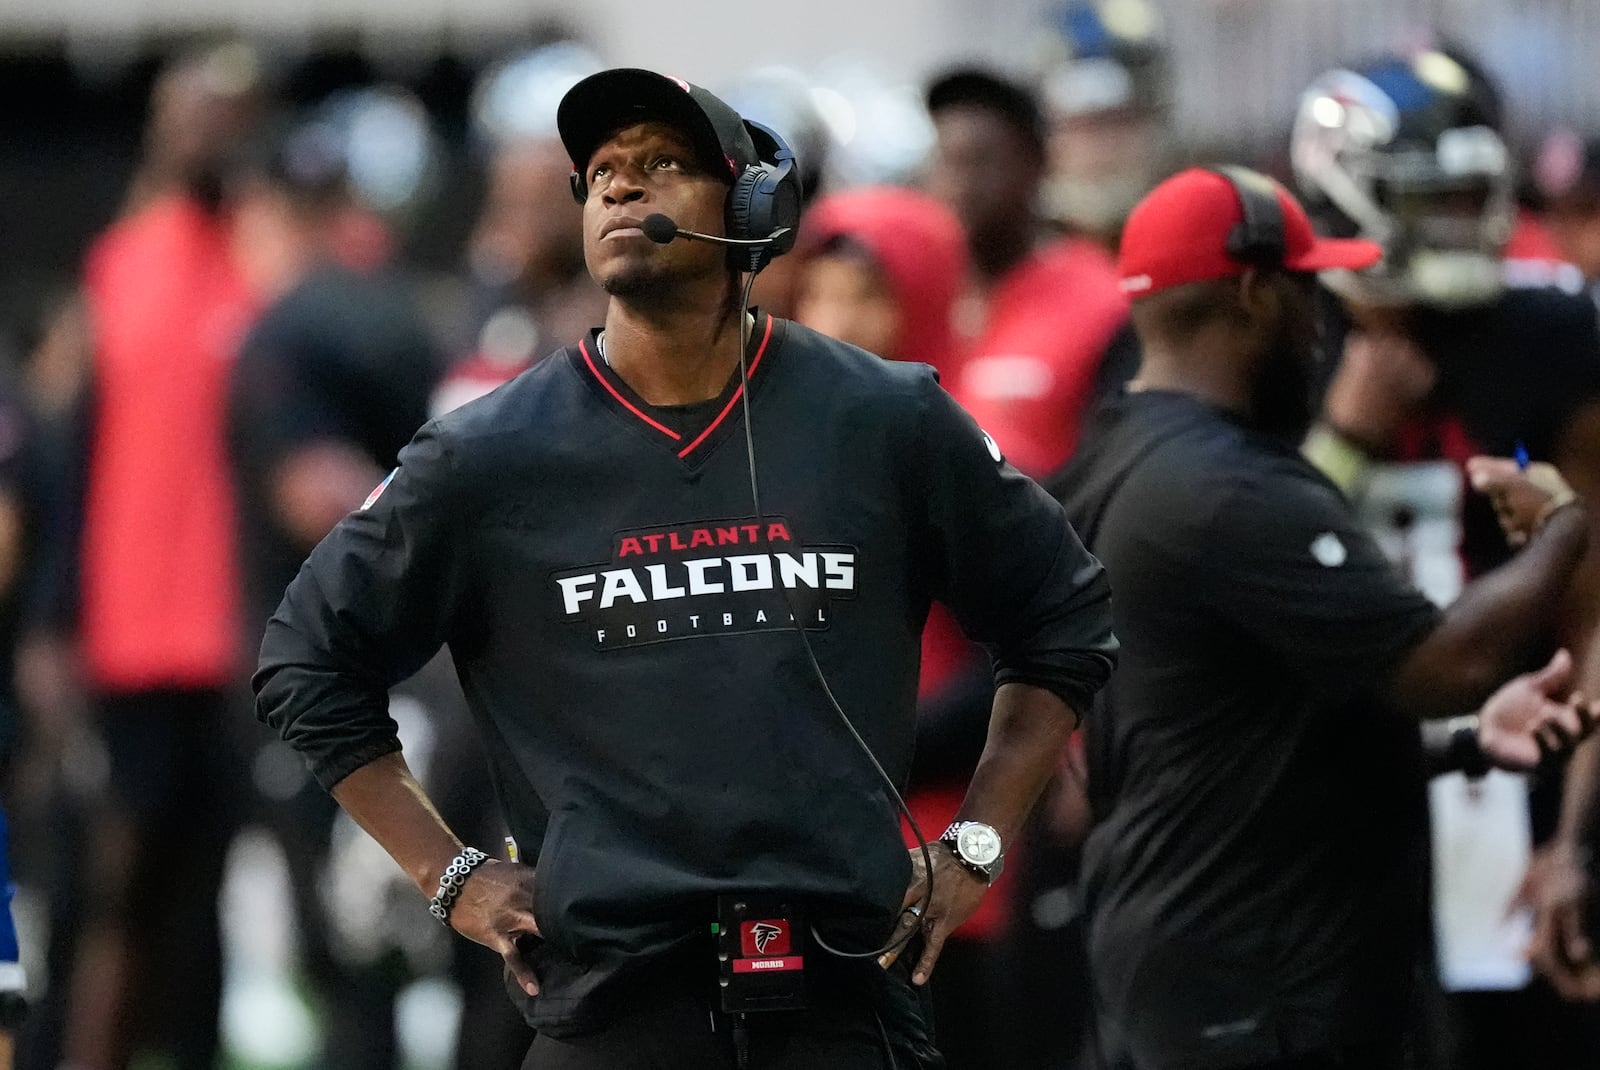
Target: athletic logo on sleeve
(1329,550)
(994,447)
(377,492)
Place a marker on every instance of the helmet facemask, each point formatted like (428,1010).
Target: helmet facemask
(1440,205)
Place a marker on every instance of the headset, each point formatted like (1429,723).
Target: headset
(764,201)
(1259,239)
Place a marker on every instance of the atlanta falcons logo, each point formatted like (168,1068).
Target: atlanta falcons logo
(763,933)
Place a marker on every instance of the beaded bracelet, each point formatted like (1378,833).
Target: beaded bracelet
(450,884)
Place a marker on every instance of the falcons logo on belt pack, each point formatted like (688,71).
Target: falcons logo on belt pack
(763,933)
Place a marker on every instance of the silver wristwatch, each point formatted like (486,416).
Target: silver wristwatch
(976,846)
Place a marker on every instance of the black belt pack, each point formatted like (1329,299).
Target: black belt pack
(761,963)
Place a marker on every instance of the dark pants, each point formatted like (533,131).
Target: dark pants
(1388,1054)
(1378,1056)
(975,1023)
(149,969)
(1530,1028)
(668,1024)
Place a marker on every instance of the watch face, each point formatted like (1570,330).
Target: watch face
(978,844)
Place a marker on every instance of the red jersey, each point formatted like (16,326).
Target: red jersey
(1032,368)
(159,570)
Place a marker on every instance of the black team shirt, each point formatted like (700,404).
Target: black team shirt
(1253,880)
(342,357)
(612,607)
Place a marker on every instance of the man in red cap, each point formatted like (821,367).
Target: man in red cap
(1246,907)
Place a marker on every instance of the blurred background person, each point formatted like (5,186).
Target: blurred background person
(1248,909)
(1443,359)
(1566,174)
(1039,312)
(203,109)
(783,99)
(882,268)
(154,614)
(333,378)
(334,375)
(1106,90)
(1046,336)
(525,255)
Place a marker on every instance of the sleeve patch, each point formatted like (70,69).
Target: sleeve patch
(377,492)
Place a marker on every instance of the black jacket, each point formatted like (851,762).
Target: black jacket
(610,603)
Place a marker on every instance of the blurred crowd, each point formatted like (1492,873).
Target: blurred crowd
(247,348)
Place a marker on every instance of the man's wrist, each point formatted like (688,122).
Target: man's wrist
(1454,745)
(1569,850)
(976,847)
(452,880)
(1566,502)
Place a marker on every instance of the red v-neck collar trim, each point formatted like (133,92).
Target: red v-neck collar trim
(583,347)
(646,418)
(755,362)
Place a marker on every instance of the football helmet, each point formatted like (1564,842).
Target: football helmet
(1407,152)
(1106,90)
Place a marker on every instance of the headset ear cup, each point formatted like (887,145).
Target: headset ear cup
(785,213)
(743,206)
(765,198)
(748,213)
(580,191)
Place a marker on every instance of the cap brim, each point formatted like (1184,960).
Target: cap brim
(604,103)
(1351,254)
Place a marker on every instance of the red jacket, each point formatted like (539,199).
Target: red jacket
(159,575)
(1031,370)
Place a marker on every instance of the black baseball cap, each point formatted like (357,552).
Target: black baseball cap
(604,103)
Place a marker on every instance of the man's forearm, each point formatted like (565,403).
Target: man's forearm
(1580,791)
(1028,730)
(1490,631)
(386,800)
(1580,796)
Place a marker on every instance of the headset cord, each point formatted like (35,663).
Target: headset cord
(895,945)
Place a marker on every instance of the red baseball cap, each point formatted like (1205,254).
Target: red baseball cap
(1179,234)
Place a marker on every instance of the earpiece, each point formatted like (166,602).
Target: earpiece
(1259,239)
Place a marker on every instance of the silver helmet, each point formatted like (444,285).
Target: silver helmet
(1407,152)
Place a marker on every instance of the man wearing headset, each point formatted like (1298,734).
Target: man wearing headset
(1453,347)
(645,647)
(1255,772)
